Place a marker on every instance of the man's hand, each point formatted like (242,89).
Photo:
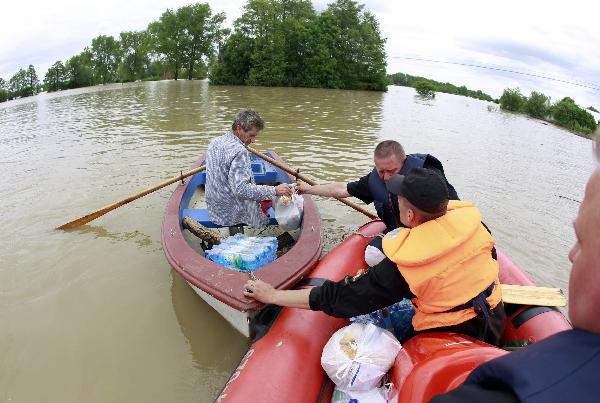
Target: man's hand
(283,190)
(260,291)
(303,188)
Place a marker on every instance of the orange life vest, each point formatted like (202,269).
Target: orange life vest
(446,263)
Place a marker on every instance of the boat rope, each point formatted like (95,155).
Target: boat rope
(380,235)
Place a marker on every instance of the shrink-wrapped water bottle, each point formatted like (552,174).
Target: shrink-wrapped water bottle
(396,318)
(244,253)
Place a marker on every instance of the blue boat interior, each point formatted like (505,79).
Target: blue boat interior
(264,173)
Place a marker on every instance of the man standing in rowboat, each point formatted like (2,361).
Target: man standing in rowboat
(563,367)
(444,259)
(390,159)
(232,196)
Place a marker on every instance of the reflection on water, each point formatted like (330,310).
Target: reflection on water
(96,315)
(209,337)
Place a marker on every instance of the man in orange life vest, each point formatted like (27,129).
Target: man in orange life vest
(444,260)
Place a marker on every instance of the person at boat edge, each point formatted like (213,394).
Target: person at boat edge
(564,367)
(444,259)
(232,196)
(389,159)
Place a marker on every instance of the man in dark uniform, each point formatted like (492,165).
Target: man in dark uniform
(390,159)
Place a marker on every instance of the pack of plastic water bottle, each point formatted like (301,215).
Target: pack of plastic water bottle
(396,318)
(244,253)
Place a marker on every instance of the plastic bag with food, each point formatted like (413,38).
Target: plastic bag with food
(288,211)
(357,356)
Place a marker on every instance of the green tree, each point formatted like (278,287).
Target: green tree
(201,32)
(567,114)
(79,70)
(591,108)
(33,82)
(323,68)
(425,88)
(407,80)
(284,43)
(537,105)
(512,100)
(3,90)
(18,84)
(168,38)
(106,54)
(234,61)
(359,50)
(134,55)
(261,23)
(56,77)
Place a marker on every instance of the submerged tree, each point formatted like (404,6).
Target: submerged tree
(134,55)
(167,36)
(537,105)
(360,48)
(284,43)
(512,100)
(33,82)
(106,55)
(56,77)
(568,114)
(202,31)
(80,70)
(425,88)
(187,37)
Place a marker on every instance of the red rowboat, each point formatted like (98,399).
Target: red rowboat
(222,287)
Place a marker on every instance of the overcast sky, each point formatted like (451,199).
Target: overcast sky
(551,46)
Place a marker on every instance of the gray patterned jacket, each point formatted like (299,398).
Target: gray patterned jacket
(231,194)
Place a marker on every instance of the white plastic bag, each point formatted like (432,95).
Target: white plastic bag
(357,356)
(288,211)
(376,395)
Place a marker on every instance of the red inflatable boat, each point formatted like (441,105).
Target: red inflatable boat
(284,365)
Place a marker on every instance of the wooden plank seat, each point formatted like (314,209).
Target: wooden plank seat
(203,218)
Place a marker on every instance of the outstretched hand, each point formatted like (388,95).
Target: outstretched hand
(283,190)
(260,291)
(302,187)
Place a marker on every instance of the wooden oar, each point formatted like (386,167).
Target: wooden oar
(92,216)
(309,181)
(532,295)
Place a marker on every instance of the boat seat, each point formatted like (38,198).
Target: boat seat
(203,218)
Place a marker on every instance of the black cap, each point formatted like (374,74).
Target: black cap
(423,188)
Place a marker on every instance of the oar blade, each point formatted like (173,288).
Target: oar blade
(532,295)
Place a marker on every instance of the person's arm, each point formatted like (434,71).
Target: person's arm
(265,293)
(335,189)
(241,183)
(380,286)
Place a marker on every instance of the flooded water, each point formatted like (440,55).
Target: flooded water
(96,314)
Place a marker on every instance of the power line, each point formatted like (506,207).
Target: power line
(591,86)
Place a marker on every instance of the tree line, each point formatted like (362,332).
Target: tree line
(273,43)
(565,113)
(428,87)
